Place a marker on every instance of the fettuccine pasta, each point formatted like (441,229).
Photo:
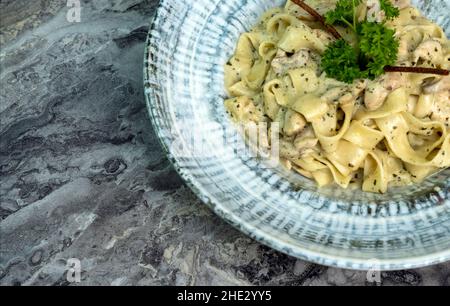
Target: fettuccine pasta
(390,131)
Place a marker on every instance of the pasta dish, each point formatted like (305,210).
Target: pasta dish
(359,88)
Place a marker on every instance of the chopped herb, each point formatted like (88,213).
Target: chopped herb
(390,10)
(344,13)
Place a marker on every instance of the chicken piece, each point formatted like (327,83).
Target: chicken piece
(374,11)
(306,140)
(294,123)
(401,4)
(439,90)
(284,61)
(378,90)
(428,50)
(288,150)
(376,94)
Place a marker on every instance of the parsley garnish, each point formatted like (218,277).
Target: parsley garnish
(340,62)
(390,11)
(376,46)
(344,13)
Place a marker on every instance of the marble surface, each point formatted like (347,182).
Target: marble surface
(83,176)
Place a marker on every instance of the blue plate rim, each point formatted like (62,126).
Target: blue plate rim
(253,232)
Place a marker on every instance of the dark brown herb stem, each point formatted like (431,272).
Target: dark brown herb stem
(416,70)
(319,17)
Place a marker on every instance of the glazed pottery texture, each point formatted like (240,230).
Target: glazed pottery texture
(189,43)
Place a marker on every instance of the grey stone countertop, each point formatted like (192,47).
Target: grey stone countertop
(83,175)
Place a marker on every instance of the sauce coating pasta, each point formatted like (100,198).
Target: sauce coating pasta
(371,134)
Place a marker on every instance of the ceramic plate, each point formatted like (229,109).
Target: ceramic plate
(189,43)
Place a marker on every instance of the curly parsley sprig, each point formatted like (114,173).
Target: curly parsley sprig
(390,11)
(346,64)
(344,13)
(340,61)
(376,46)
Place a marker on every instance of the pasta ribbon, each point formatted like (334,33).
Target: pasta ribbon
(372,134)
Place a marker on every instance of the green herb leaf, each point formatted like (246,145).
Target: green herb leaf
(340,62)
(343,13)
(390,10)
(378,47)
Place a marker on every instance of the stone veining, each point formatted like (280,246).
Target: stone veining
(83,176)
